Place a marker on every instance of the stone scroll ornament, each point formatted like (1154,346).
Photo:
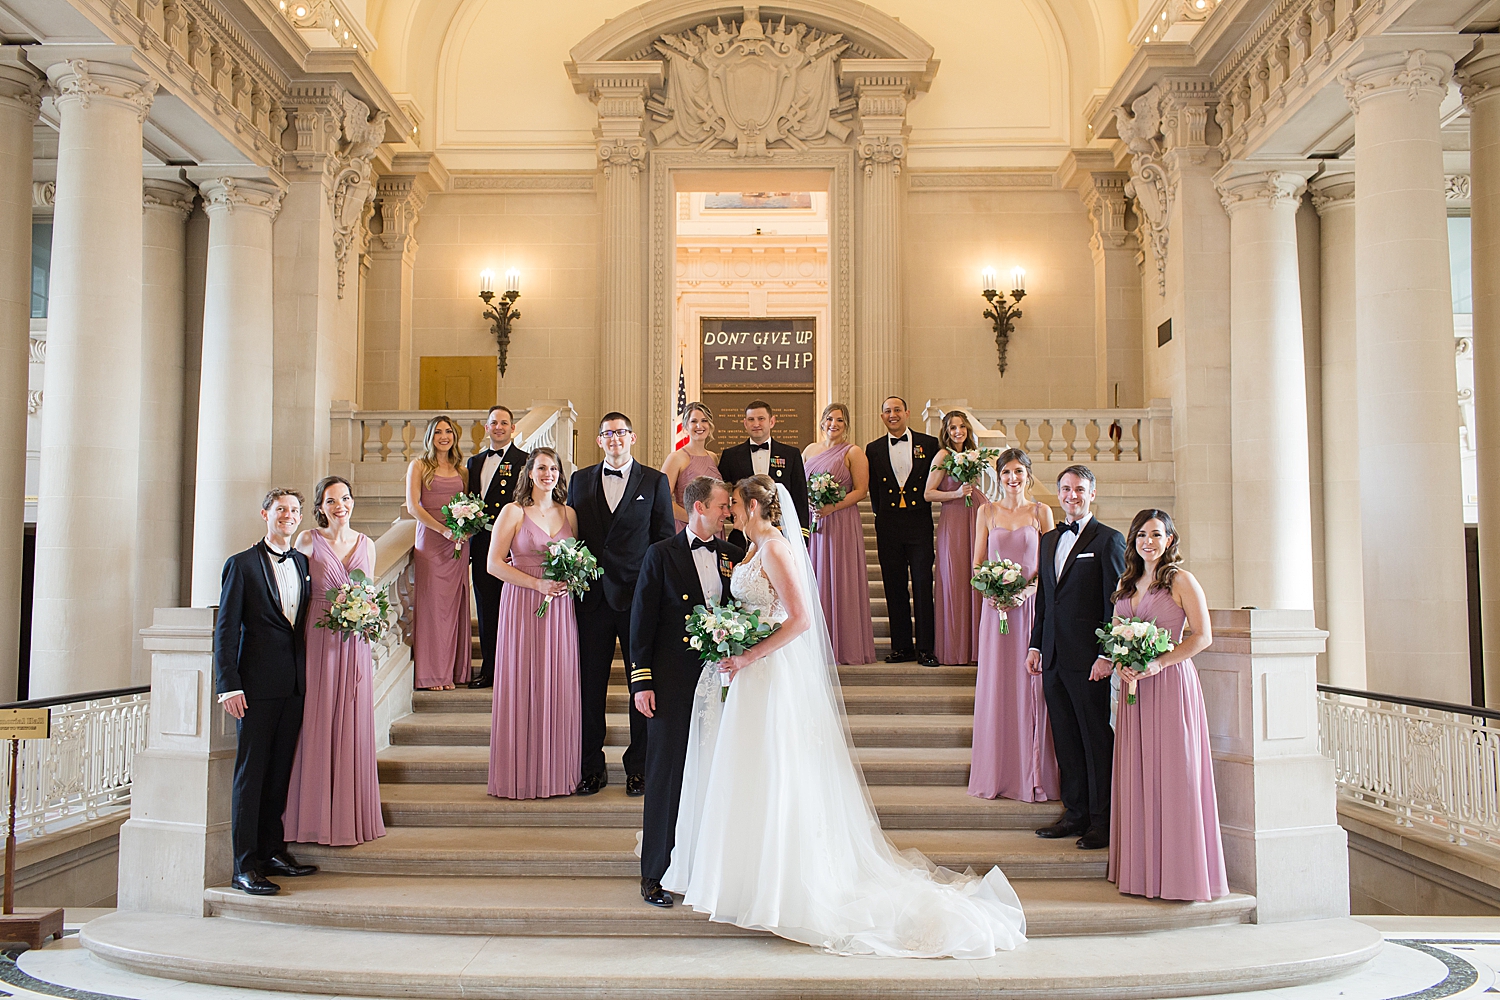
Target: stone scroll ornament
(750,85)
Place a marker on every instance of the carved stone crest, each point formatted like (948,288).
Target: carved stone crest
(751,85)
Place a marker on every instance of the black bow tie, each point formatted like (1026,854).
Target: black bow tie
(704,543)
(760,447)
(280,557)
(1069,526)
(614,472)
(899,440)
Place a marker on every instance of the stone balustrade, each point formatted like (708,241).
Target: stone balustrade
(1068,436)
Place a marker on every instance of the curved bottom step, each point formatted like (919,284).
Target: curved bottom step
(1203,960)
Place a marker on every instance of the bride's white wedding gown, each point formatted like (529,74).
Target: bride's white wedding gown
(776,831)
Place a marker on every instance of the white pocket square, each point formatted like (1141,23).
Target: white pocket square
(640,498)
(1085,555)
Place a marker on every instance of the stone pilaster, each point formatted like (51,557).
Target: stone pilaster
(87,501)
(388,289)
(1408,413)
(1268,387)
(236,387)
(19,102)
(1119,380)
(1343,559)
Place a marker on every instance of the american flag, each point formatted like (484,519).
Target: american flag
(679,430)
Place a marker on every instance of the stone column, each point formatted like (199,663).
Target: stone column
(1343,559)
(1481,74)
(388,294)
(19,102)
(235,389)
(1119,379)
(1268,390)
(1411,513)
(156,580)
(82,631)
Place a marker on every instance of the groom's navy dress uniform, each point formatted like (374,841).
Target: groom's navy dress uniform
(1069,606)
(261,652)
(666,592)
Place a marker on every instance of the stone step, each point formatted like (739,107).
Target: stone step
(611,907)
(881,674)
(900,807)
(591,852)
(861,699)
(470,765)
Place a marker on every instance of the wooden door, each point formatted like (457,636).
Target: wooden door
(457,383)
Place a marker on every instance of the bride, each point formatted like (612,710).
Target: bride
(776,831)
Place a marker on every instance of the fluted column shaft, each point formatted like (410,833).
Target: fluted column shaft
(83,614)
(1343,559)
(879,351)
(1416,608)
(622,347)
(19,88)
(1268,390)
(235,394)
(157,579)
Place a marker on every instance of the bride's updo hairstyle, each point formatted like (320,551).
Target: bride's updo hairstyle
(762,489)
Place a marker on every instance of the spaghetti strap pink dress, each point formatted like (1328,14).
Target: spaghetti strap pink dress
(837,550)
(443,640)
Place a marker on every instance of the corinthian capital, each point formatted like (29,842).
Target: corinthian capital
(86,81)
(20,85)
(1479,73)
(1262,185)
(1413,73)
(228,195)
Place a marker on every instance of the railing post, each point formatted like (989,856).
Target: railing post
(176,842)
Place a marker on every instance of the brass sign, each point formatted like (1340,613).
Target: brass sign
(25,723)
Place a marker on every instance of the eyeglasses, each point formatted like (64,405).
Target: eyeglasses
(613,435)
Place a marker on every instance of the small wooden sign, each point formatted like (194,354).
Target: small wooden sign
(25,723)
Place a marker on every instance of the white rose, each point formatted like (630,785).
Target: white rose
(1141,629)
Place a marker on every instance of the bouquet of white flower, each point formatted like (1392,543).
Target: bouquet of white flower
(725,630)
(968,466)
(1133,643)
(569,561)
(822,490)
(1001,582)
(464,516)
(358,608)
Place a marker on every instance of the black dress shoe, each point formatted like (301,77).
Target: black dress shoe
(635,784)
(591,784)
(1062,828)
(1095,840)
(901,656)
(255,884)
(653,893)
(927,660)
(481,682)
(285,864)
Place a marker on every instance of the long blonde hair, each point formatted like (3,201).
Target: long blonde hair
(430,455)
(697,407)
(827,412)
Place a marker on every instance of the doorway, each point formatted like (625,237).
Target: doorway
(457,383)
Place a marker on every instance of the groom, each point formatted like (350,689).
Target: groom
(691,568)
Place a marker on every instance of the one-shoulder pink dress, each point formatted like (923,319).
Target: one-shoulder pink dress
(837,549)
(442,645)
(697,465)
(1164,837)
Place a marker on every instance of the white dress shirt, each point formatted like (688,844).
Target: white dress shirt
(1065,544)
(760,460)
(707,563)
(487,470)
(900,457)
(614,486)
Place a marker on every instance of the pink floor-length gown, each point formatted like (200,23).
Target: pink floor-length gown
(837,549)
(334,796)
(1164,823)
(1013,756)
(536,729)
(955,603)
(443,644)
(697,465)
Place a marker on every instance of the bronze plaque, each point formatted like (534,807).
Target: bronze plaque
(796,421)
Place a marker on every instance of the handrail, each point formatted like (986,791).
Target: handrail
(68,699)
(1396,699)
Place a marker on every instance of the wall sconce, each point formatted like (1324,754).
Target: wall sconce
(1002,313)
(502,313)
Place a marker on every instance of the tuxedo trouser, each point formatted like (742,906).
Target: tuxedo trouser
(487,605)
(1084,742)
(902,556)
(666,754)
(599,626)
(262,772)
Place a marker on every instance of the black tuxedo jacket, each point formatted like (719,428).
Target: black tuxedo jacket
(665,595)
(619,539)
(501,492)
(886,494)
(786,468)
(1070,606)
(256,650)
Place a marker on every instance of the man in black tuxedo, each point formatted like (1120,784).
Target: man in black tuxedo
(899,463)
(1081,562)
(761,456)
(260,675)
(623,507)
(492,474)
(691,568)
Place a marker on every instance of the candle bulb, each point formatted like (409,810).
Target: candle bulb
(513,281)
(1018,279)
(486,281)
(987,276)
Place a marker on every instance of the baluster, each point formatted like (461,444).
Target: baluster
(1130,439)
(408,435)
(1057,448)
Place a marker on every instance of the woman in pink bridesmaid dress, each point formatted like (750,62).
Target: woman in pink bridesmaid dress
(536,736)
(1164,822)
(955,603)
(1012,756)
(441,645)
(837,547)
(334,797)
(693,459)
